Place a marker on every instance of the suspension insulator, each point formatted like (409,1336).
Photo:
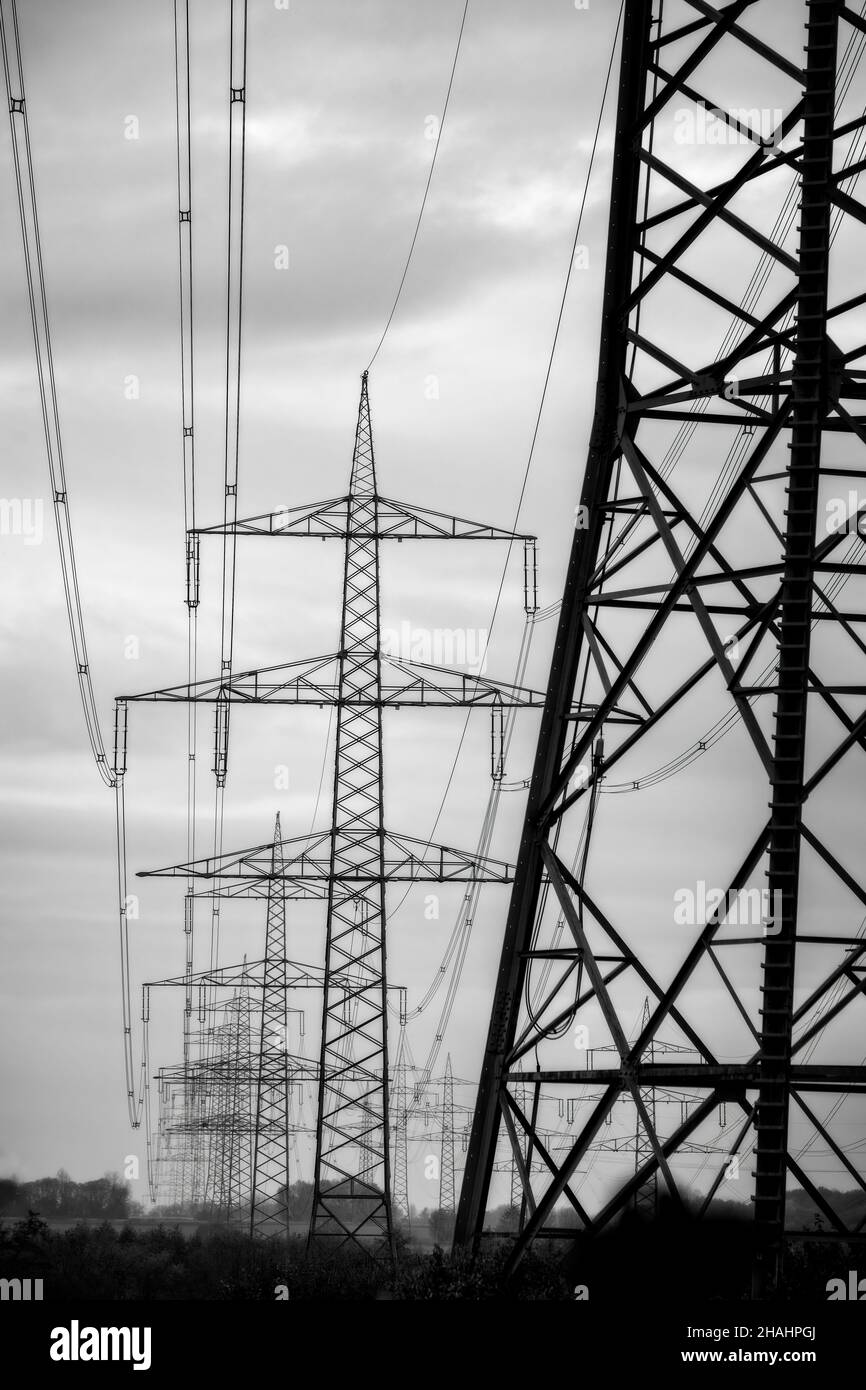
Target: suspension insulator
(121,715)
(497,742)
(221,740)
(530,576)
(193,553)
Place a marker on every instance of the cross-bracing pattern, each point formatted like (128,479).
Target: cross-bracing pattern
(716,577)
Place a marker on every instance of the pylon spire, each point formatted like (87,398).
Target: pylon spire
(363,479)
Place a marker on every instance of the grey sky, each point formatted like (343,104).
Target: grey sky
(338,101)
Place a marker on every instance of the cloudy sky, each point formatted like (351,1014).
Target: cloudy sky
(339,100)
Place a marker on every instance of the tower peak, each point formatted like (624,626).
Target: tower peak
(363,479)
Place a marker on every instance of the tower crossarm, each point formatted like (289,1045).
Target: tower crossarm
(304,891)
(298,975)
(728,1080)
(421,685)
(394,520)
(407,859)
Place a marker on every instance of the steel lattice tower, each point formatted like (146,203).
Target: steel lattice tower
(446,1167)
(352,1149)
(724,578)
(355,860)
(400,1131)
(269,1203)
(219,1116)
(238,1133)
(227,1095)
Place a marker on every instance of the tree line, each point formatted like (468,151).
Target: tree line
(107,1197)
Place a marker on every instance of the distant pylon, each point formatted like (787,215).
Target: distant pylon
(217,1116)
(399,1127)
(269,1204)
(239,1118)
(446,1167)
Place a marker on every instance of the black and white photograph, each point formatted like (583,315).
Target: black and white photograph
(433,623)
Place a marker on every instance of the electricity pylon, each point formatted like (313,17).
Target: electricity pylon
(199,1151)
(236,1108)
(717,590)
(269,1203)
(399,1116)
(358,857)
(446,1166)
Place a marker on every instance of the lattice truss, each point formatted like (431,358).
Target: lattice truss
(705,726)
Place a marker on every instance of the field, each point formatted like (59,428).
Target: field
(141,1260)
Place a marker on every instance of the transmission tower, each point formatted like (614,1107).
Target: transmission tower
(208,1081)
(358,857)
(238,1130)
(400,1128)
(446,1166)
(723,581)
(218,1179)
(270,1178)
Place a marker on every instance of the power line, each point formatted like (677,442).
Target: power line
(487,830)
(38,304)
(426,189)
